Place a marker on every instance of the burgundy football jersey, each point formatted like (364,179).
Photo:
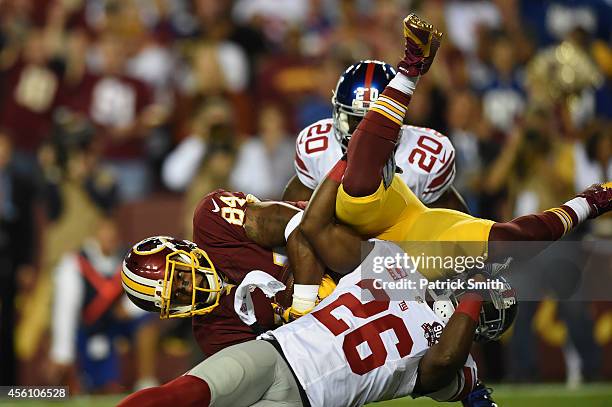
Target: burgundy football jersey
(223,327)
(217,229)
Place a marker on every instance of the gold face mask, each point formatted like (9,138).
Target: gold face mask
(203,300)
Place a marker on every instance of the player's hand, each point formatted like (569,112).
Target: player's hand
(422,43)
(599,198)
(300,306)
(286,315)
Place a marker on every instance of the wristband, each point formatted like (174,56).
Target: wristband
(470,305)
(304,296)
(306,291)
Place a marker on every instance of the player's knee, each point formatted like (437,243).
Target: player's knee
(222,373)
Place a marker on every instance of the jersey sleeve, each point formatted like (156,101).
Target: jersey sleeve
(311,147)
(427,159)
(217,229)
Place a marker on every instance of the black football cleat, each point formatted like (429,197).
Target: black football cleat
(479,397)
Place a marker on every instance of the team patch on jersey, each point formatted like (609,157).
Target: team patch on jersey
(432,332)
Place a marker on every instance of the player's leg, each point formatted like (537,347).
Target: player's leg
(362,200)
(465,387)
(461,234)
(240,375)
(371,215)
(184,391)
(247,373)
(376,136)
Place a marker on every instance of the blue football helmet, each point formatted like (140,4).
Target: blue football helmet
(357,88)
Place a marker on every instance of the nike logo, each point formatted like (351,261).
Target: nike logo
(217,209)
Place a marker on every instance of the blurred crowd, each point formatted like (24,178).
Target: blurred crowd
(111,104)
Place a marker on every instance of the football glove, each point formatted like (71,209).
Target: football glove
(599,198)
(284,315)
(327,286)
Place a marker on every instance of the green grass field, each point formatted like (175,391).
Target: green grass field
(593,395)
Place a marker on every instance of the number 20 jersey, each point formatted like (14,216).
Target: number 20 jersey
(426,157)
(352,350)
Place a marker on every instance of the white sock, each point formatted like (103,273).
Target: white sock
(404,83)
(581,207)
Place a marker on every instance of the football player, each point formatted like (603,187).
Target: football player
(377,202)
(425,156)
(356,346)
(234,233)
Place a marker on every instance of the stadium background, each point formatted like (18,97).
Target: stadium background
(231,83)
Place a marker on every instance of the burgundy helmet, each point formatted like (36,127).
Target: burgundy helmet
(148,273)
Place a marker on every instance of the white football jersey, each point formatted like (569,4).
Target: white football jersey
(426,157)
(351,350)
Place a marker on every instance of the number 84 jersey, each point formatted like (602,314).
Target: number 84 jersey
(361,344)
(426,157)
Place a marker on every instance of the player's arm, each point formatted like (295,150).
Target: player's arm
(296,191)
(451,199)
(317,241)
(265,222)
(338,246)
(443,361)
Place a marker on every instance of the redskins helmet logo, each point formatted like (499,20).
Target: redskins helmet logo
(152,245)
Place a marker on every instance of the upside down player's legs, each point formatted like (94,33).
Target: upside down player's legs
(250,373)
(372,215)
(367,155)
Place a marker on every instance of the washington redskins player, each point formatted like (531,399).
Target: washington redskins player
(425,156)
(234,233)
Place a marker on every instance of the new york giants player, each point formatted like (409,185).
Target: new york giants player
(426,157)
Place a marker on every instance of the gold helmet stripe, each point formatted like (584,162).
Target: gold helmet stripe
(141,288)
(138,279)
(137,294)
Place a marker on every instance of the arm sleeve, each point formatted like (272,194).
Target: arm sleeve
(182,163)
(68,299)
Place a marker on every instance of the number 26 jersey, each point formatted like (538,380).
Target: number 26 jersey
(358,345)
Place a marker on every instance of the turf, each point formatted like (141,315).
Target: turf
(593,395)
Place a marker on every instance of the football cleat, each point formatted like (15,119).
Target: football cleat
(479,397)
(422,43)
(599,198)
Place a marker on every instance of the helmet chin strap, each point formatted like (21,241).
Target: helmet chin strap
(212,282)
